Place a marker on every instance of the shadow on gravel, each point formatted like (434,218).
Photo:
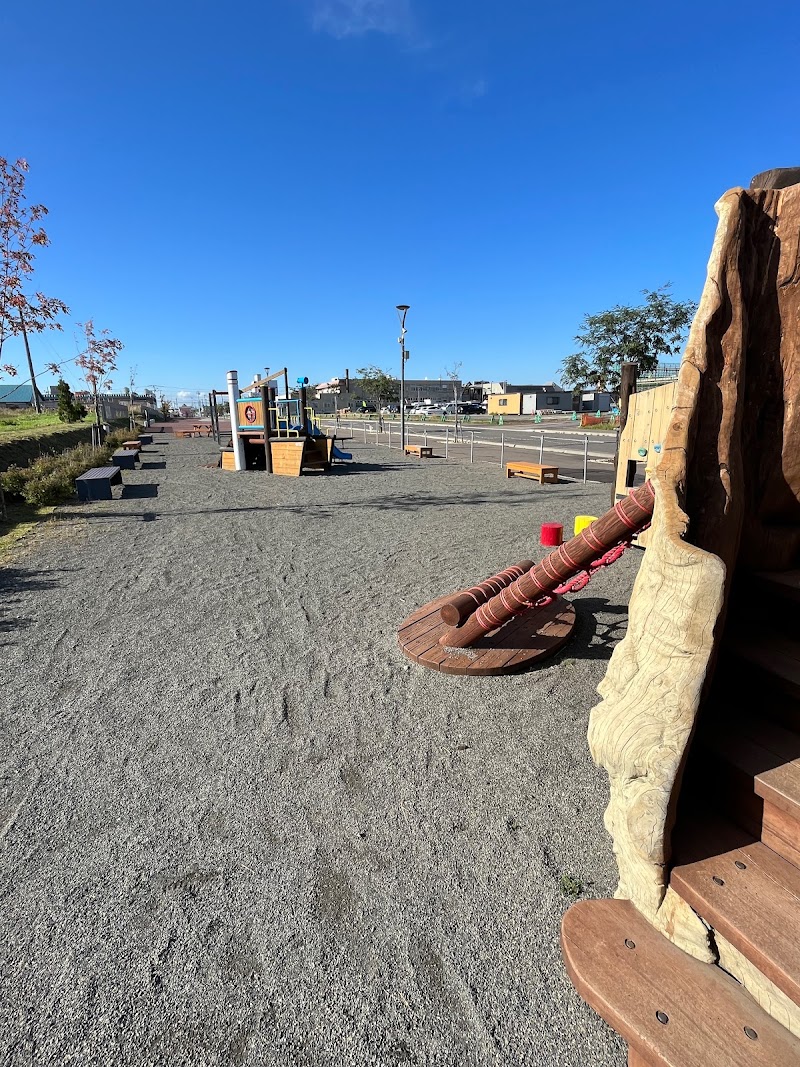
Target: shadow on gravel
(593,639)
(13,581)
(158,466)
(138,492)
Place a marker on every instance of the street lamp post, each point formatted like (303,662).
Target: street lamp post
(402,310)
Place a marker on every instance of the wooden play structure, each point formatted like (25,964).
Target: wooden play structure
(278,434)
(697,961)
(516,618)
(642,441)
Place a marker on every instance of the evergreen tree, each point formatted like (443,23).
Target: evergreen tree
(69,409)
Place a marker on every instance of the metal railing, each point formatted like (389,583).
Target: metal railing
(462,445)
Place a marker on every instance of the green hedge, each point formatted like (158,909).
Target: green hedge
(51,479)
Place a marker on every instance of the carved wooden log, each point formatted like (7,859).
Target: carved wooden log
(626,517)
(727,495)
(462,605)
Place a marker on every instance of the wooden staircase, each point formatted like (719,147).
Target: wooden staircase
(736,855)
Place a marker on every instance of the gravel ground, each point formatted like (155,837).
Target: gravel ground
(238,827)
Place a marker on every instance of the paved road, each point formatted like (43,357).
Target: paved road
(559,446)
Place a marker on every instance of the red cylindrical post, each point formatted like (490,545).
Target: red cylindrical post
(552,534)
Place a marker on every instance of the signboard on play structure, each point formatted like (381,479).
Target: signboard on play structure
(250,414)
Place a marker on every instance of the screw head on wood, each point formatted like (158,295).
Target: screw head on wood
(629,943)
(662,1017)
(740,865)
(750,1032)
(719,881)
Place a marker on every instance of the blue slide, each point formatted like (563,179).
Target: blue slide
(336,452)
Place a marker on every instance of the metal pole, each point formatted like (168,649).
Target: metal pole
(585,455)
(390,435)
(472,446)
(541,446)
(233,396)
(365,431)
(446,439)
(402,311)
(425,436)
(211,399)
(265,411)
(502,448)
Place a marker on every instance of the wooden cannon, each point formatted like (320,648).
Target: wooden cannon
(698,960)
(517,617)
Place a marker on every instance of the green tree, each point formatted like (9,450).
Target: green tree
(376,385)
(640,335)
(68,409)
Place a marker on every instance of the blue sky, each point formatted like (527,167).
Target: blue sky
(258,184)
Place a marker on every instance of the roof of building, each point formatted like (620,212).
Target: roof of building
(15,394)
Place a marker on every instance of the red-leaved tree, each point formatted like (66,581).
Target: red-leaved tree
(97,360)
(22,312)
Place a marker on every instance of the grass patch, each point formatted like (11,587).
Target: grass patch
(22,518)
(28,423)
(571,886)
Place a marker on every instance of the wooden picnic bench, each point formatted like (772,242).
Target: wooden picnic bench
(125,457)
(537,471)
(423,451)
(95,484)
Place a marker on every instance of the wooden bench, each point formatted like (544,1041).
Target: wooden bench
(125,457)
(537,471)
(95,484)
(184,433)
(135,445)
(423,451)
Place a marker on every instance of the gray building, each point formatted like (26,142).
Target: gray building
(333,395)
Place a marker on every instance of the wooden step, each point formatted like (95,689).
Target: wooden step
(747,892)
(758,779)
(784,585)
(671,1009)
(765,661)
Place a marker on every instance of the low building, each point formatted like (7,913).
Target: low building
(334,395)
(15,396)
(530,400)
(115,406)
(596,401)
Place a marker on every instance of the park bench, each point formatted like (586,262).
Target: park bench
(423,451)
(537,471)
(146,438)
(184,433)
(135,445)
(125,457)
(95,484)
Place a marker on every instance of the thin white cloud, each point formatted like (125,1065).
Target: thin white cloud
(355,18)
(474,90)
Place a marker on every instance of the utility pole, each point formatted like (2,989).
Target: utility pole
(402,311)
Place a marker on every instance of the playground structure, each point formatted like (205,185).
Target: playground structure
(283,433)
(698,960)
(515,618)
